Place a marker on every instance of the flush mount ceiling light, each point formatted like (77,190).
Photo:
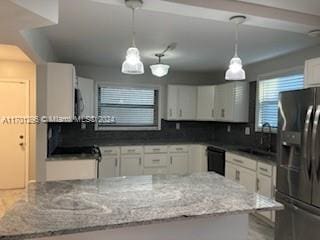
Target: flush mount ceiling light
(159,69)
(235,71)
(133,64)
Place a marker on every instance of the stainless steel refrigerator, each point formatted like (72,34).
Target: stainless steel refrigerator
(298,165)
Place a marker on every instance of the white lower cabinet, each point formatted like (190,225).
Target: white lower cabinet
(131,165)
(243,176)
(256,176)
(110,162)
(178,163)
(57,170)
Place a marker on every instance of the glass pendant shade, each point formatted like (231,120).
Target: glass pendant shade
(133,64)
(159,70)
(235,71)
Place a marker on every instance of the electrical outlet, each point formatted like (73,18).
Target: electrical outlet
(177,126)
(229,128)
(247,131)
(83,126)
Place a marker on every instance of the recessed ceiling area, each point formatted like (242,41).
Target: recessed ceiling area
(99,34)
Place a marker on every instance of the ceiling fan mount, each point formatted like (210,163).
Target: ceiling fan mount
(134,4)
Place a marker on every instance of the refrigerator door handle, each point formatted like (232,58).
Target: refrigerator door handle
(314,150)
(306,132)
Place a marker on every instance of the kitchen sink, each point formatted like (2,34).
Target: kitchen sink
(256,152)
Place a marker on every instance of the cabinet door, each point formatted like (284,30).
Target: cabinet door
(265,188)
(205,103)
(131,165)
(231,172)
(172,102)
(187,102)
(109,166)
(228,102)
(247,178)
(312,72)
(86,87)
(219,103)
(178,163)
(60,90)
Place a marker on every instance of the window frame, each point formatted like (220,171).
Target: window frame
(128,86)
(269,76)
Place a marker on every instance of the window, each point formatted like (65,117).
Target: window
(129,108)
(268,94)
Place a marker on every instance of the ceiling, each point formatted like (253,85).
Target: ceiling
(303,6)
(99,34)
(12,53)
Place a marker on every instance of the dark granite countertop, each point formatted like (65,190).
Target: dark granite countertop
(61,157)
(56,208)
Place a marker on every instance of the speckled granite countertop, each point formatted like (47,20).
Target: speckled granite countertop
(56,208)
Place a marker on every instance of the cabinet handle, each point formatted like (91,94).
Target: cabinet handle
(258,184)
(170,112)
(156,149)
(155,160)
(263,169)
(131,150)
(116,162)
(140,161)
(107,151)
(180,113)
(212,113)
(222,113)
(238,161)
(237,175)
(171,160)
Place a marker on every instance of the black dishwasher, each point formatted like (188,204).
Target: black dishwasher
(216,160)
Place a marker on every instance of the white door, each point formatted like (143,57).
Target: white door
(264,187)
(247,178)
(86,87)
(13,137)
(178,163)
(187,102)
(172,102)
(109,166)
(205,103)
(131,165)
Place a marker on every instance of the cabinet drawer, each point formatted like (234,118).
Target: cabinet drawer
(241,161)
(265,169)
(155,171)
(155,149)
(155,160)
(110,150)
(132,150)
(178,148)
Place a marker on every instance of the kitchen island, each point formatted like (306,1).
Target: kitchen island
(196,206)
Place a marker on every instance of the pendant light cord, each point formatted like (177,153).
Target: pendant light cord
(133,29)
(237,40)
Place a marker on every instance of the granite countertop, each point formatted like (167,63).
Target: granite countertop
(61,157)
(55,208)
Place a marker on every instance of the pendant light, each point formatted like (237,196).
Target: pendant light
(133,64)
(235,71)
(159,70)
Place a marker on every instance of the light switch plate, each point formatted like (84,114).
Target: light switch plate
(177,126)
(247,131)
(83,126)
(229,128)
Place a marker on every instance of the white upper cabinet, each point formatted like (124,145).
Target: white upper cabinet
(312,73)
(86,87)
(205,103)
(182,102)
(61,82)
(231,102)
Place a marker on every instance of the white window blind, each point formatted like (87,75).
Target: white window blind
(268,95)
(128,107)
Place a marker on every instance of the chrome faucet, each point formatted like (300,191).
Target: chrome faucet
(266,125)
